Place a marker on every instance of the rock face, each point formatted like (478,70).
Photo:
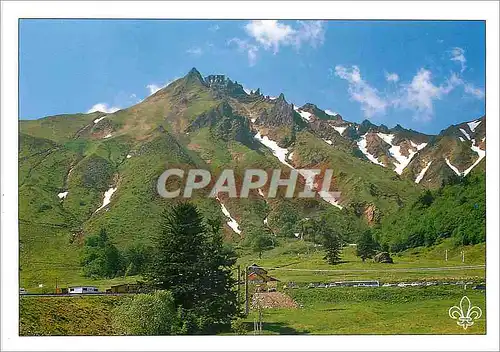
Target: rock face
(383,257)
(280,115)
(223,124)
(370,214)
(222,86)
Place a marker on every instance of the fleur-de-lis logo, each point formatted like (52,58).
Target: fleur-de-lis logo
(466,313)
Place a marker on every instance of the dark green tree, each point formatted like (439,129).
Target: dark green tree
(177,263)
(331,240)
(333,247)
(366,247)
(136,258)
(220,301)
(100,257)
(261,242)
(191,261)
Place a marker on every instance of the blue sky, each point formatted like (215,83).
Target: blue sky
(422,75)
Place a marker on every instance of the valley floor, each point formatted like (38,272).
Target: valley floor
(335,310)
(332,311)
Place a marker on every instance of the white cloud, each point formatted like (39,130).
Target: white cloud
(476,92)
(361,91)
(103,107)
(197,51)
(153,88)
(457,54)
(270,33)
(311,32)
(391,77)
(244,46)
(273,34)
(420,93)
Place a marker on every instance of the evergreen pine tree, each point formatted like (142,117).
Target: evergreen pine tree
(177,263)
(366,246)
(333,247)
(192,262)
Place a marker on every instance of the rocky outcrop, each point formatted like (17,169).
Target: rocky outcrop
(224,124)
(370,214)
(281,114)
(223,86)
(383,257)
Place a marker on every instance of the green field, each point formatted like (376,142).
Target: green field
(66,315)
(371,311)
(423,264)
(380,310)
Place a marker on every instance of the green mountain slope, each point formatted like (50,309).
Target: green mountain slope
(80,173)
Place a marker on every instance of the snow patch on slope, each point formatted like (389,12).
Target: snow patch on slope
(465,133)
(107,198)
(395,150)
(339,129)
(461,139)
(479,152)
(328,141)
(473,124)
(278,152)
(422,173)
(362,146)
(281,154)
(99,119)
(107,136)
(453,167)
(231,223)
(418,146)
(304,114)
(62,195)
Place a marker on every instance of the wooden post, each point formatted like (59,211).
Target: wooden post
(239,283)
(246,292)
(260,320)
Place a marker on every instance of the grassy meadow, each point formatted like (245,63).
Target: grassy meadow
(381,310)
(287,261)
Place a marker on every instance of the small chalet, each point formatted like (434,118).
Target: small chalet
(258,275)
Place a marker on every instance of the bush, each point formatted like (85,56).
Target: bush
(148,314)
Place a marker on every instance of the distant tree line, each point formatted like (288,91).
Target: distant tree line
(102,259)
(456,210)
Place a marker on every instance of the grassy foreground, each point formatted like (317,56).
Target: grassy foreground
(331,311)
(58,316)
(346,311)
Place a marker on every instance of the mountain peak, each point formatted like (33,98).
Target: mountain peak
(281,97)
(194,75)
